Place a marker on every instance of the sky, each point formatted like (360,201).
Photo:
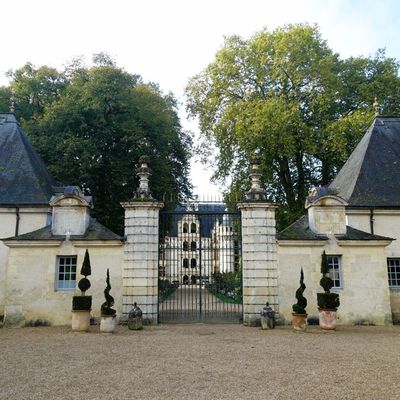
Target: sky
(169,41)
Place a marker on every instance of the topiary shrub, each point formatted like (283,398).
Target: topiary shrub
(300,306)
(83,302)
(327,299)
(106,306)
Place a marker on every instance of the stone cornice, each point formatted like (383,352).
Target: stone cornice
(33,243)
(360,243)
(302,243)
(256,204)
(142,204)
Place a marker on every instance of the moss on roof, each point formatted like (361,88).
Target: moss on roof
(300,230)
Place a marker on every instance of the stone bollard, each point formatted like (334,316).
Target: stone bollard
(135,320)
(267,317)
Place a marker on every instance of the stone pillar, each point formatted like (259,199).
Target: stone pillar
(259,252)
(140,271)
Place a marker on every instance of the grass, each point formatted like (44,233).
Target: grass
(224,298)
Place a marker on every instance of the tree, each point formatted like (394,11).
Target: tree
(286,95)
(92,131)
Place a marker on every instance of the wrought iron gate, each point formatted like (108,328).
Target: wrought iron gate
(200,276)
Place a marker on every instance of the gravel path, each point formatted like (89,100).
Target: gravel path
(200,362)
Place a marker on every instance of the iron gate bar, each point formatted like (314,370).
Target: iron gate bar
(210,250)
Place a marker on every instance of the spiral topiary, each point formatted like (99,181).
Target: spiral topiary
(106,306)
(300,306)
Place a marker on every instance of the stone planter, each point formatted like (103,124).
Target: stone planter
(108,323)
(299,322)
(327,318)
(80,320)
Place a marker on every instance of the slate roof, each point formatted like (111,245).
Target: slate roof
(371,175)
(300,230)
(24,179)
(95,231)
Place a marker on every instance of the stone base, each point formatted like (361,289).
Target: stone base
(135,324)
(299,322)
(13,316)
(327,319)
(108,323)
(80,320)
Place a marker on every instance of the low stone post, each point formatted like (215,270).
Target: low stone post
(259,251)
(140,271)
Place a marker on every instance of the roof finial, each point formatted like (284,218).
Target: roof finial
(376,106)
(12,104)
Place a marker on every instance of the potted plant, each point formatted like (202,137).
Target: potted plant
(299,315)
(328,302)
(82,305)
(108,318)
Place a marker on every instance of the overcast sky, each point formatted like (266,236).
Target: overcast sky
(168,41)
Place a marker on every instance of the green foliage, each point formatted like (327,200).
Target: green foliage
(327,299)
(300,306)
(326,282)
(286,95)
(84,283)
(165,288)
(86,268)
(91,125)
(106,307)
(227,286)
(81,303)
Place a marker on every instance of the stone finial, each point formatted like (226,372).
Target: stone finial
(143,192)
(12,104)
(256,192)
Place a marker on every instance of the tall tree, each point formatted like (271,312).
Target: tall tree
(92,131)
(288,97)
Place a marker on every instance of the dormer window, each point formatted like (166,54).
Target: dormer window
(193,228)
(185,228)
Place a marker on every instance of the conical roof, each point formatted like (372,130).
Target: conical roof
(24,179)
(371,175)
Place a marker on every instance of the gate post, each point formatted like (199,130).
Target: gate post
(259,251)
(140,271)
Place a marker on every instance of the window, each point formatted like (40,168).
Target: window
(185,263)
(193,263)
(193,246)
(335,270)
(185,246)
(66,273)
(185,228)
(193,228)
(393,266)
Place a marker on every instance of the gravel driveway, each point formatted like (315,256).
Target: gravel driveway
(200,362)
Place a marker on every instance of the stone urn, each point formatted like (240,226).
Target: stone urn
(80,320)
(135,320)
(108,323)
(299,322)
(327,318)
(267,317)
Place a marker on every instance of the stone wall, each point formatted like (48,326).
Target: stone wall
(259,260)
(30,219)
(140,271)
(31,280)
(364,295)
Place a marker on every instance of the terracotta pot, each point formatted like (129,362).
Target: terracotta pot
(80,320)
(327,318)
(299,322)
(108,323)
